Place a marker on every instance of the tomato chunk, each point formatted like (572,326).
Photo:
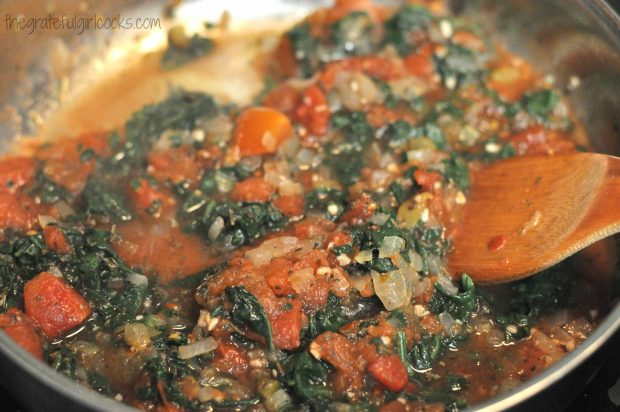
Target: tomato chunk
(313,112)
(55,305)
(21,328)
(290,205)
(261,130)
(254,189)
(390,371)
(287,326)
(55,239)
(16,172)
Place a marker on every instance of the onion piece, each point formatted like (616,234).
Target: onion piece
(379,219)
(64,210)
(447,285)
(45,220)
(216,228)
(302,280)
(278,401)
(197,348)
(137,335)
(395,288)
(137,279)
(364,256)
(270,249)
(391,245)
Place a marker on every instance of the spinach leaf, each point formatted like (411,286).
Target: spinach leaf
(457,66)
(64,361)
(330,318)
(307,377)
(247,310)
(175,56)
(540,104)
(11,283)
(425,352)
(345,156)
(351,35)
(331,202)
(401,351)
(399,27)
(102,199)
(456,170)
(193,281)
(46,190)
(460,306)
(304,49)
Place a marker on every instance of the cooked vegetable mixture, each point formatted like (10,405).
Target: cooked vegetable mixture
(291,255)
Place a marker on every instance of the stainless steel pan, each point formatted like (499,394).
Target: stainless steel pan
(578,38)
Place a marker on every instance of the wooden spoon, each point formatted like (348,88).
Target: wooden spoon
(525,214)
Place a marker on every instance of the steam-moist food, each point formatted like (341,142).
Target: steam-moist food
(290,255)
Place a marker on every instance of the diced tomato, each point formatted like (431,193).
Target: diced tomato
(229,358)
(286,326)
(141,244)
(426,179)
(175,164)
(536,140)
(290,205)
(361,209)
(277,273)
(511,79)
(21,328)
(253,189)
(17,211)
(313,112)
(55,239)
(284,58)
(55,305)
(339,238)
(384,68)
(420,64)
(145,196)
(284,98)
(390,371)
(313,228)
(64,161)
(469,40)
(343,355)
(16,172)
(261,130)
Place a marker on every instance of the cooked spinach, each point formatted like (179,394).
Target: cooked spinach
(351,35)
(459,65)
(401,351)
(540,104)
(307,379)
(330,202)
(456,170)
(46,190)
(345,156)
(247,310)
(460,306)
(175,56)
(304,49)
(399,27)
(101,198)
(426,352)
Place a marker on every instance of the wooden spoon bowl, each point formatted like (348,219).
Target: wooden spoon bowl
(525,214)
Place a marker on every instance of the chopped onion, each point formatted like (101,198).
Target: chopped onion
(364,256)
(224,182)
(395,288)
(137,279)
(357,90)
(302,280)
(45,220)
(64,209)
(304,246)
(207,393)
(270,249)
(435,264)
(417,263)
(448,322)
(137,335)
(197,348)
(55,270)
(278,401)
(447,285)
(391,245)
(216,228)
(379,219)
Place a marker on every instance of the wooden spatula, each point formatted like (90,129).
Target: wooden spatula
(525,214)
